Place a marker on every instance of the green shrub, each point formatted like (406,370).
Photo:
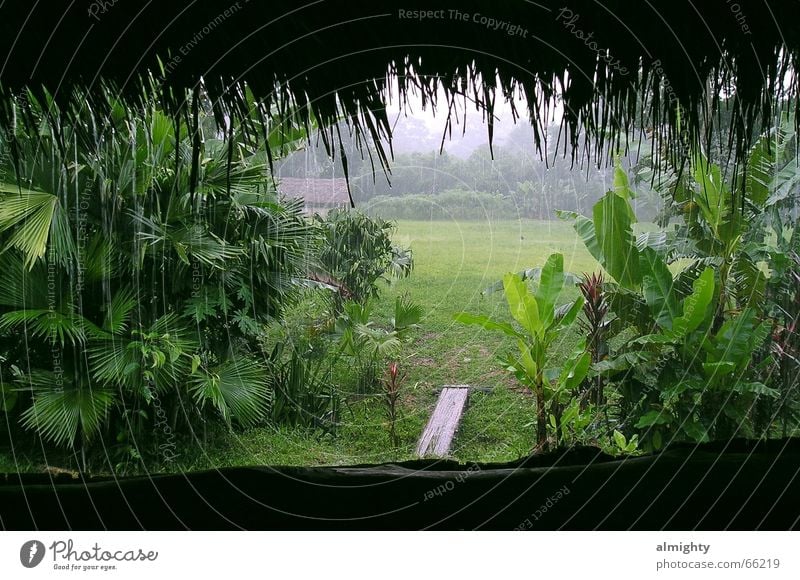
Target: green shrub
(358,252)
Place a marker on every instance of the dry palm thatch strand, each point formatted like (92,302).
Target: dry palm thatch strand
(664,67)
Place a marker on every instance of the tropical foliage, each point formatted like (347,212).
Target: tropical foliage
(694,367)
(140,279)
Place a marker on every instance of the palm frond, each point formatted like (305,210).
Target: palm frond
(406,313)
(114,362)
(30,215)
(60,415)
(118,311)
(21,288)
(160,356)
(50,324)
(100,260)
(188,241)
(238,389)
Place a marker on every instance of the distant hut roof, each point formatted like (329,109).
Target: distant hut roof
(315,191)
(616,64)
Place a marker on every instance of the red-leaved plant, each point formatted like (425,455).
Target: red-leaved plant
(594,325)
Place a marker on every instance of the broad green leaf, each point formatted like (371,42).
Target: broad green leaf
(756,388)
(551,282)
(522,304)
(533,274)
(584,227)
(195,363)
(551,376)
(622,362)
(621,186)
(572,313)
(526,360)
(674,390)
(785,182)
(654,417)
(613,228)
(695,431)
(485,322)
(749,281)
(718,369)
(575,371)
(657,440)
(760,165)
(658,241)
(712,198)
(657,288)
(665,337)
(695,306)
(737,338)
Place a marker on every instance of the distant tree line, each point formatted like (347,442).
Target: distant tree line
(510,182)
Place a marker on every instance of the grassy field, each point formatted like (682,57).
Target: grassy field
(454,262)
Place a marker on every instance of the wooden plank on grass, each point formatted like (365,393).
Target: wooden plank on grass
(438,435)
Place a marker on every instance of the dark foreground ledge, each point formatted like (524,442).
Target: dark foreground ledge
(738,485)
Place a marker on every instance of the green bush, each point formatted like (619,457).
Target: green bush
(449,205)
(141,295)
(357,252)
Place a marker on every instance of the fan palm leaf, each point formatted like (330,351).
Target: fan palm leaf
(60,415)
(238,389)
(160,356)
(118,311)
(21,288)
(50,324)
(406,313)
(30,215)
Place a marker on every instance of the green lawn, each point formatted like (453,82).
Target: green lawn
(454,262)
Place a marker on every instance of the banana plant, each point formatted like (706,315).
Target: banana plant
(562,384)
(690,372)
(704,382)
(539,322)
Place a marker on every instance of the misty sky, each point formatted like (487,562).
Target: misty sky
(421,130)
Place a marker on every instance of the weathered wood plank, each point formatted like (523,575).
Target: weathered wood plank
(437,437)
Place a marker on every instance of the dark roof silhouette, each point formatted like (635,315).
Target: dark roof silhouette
(613,66)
